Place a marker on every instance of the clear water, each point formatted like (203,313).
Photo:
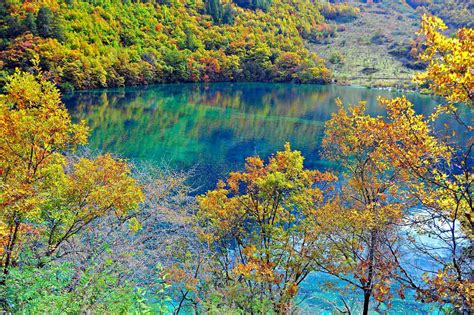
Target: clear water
(212,128)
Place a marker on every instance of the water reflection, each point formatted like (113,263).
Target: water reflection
(216,126)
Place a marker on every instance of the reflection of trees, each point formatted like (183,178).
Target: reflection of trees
(214,123)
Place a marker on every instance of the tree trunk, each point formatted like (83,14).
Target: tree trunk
(368,285)
(367,295)
(10,247)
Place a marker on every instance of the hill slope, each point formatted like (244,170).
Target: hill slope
(86,44)
(102,43)
(374,49)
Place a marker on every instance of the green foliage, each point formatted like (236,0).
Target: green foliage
(214,9)
(30,23)
(62,288)
(220,13)
(93,44)
(254,4)
(340,12)
(322,33)
(219,303)
(336,58)
(45,21)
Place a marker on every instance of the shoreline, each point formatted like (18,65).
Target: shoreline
(334,83)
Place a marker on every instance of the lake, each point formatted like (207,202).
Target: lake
(213,128)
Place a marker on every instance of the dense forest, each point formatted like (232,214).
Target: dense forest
(90,44)
(84,232)
(82,44)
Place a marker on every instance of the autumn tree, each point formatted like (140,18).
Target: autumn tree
(46,195)
(445,189)
(260,224)
(436,178)
(450,61)
(403,170)
(362,223)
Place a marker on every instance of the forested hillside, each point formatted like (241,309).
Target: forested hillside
(84,44)
(87,44)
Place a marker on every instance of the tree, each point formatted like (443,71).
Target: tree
(215,9)
(45,22)
(444,189)
(254,4)
(287,66)
(260,224)
(45,195)
(257,65)
(439,178)
(15,26)
(220,13)
(30,23)
(398,164)
(362,223)
(228,14)
(414,170)
(450,59)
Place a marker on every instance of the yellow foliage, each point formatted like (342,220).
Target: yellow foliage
(268,210)
(450,71)
(40,186)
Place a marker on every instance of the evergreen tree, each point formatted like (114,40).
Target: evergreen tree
(254,4)
(45,22)
(228,15)
(215,10)
(30,23)
(47,25)
(15,27)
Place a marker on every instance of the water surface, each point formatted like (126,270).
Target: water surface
(214,127)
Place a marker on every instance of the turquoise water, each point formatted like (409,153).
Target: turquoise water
(212,128)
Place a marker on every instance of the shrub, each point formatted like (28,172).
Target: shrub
(336,58)
(339,12)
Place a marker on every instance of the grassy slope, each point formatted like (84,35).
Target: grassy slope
(396,21)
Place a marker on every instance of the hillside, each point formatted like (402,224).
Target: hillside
(374,47)
(456,13)
(86,44)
